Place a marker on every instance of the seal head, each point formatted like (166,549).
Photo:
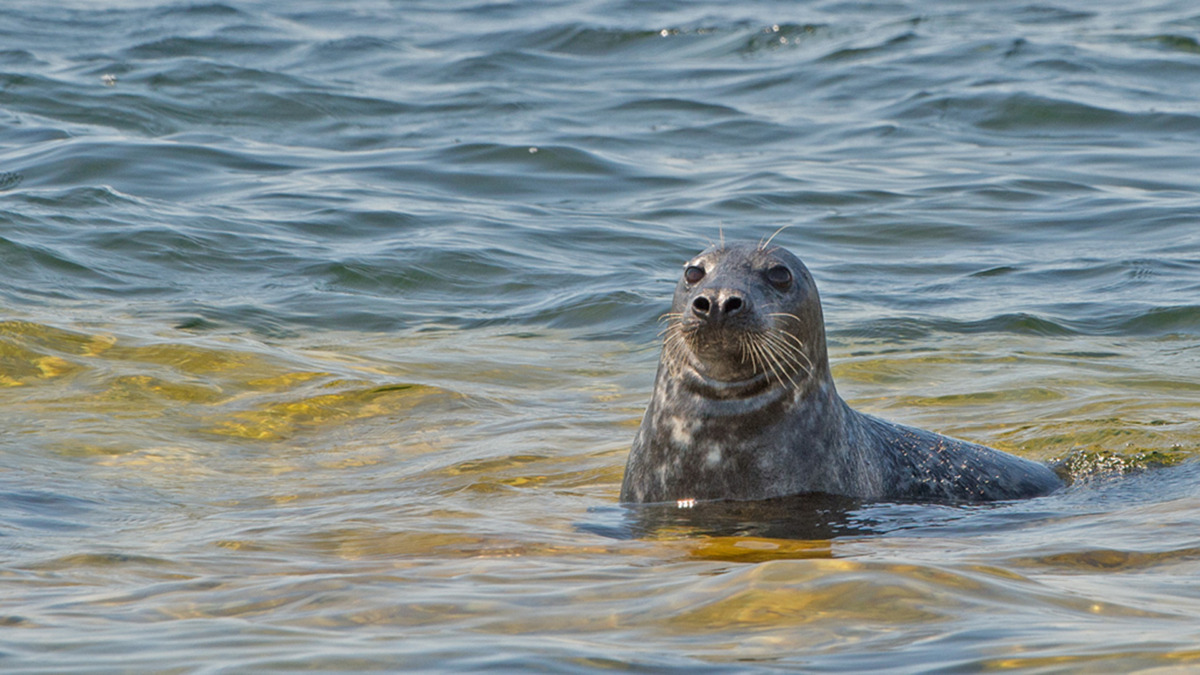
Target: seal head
(745,408)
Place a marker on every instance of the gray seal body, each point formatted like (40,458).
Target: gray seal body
(744,405)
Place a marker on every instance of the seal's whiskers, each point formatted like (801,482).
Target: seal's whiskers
(762,245)
(775,352)
(797,345)
(748,350)
(778,358)
(792,352)
(674,340)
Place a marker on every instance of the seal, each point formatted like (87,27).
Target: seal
(744,405)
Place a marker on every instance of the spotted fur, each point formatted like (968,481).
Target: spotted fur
(745,408)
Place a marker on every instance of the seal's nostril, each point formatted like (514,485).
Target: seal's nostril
(732,304)
(701,305)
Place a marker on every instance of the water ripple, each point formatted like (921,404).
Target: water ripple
(325,328)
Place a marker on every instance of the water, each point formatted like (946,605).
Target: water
(325,328)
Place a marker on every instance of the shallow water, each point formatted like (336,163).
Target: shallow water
(325,329)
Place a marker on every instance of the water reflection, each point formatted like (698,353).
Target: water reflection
(814,516)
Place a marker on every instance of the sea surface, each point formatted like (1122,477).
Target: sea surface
(325,328)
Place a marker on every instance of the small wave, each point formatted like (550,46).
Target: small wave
(198,11)
(10,180)
(1179,320)
(784,36)
(175,47)
(585,40)
(676,106)
(151,168)
(277,420)
(912,328)
(551,159)
(887,45)
(18,57)
(44,503)
(1026,112)
(39,272)
(1146,322)
(1177,43)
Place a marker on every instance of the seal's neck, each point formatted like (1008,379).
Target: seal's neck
(696,382)
(742,397)
(694,375)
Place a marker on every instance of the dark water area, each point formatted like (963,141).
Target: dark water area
(325,329)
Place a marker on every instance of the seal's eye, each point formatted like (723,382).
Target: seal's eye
(693,274)
(779,276)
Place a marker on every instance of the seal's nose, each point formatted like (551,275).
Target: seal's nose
(716,305)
